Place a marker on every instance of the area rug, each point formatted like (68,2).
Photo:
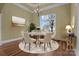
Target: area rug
(34,49)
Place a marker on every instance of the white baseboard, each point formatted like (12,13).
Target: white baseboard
(10,40)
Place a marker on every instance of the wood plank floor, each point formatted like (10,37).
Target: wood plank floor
(12,49)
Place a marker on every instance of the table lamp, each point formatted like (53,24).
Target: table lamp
(68,28)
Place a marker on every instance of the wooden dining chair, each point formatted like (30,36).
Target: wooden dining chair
(22,35)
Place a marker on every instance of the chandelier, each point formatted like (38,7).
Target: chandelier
(36,10)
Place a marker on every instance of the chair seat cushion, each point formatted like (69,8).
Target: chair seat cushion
(41,40)
(33,39)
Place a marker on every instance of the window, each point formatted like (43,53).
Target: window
(48,22)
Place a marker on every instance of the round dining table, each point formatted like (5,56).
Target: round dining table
(38,36)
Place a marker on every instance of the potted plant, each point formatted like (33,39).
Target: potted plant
(32,27)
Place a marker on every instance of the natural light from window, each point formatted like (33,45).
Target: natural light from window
(48,22)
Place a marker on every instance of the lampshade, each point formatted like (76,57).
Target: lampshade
(68,27)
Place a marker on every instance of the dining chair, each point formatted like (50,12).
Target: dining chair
(22,35)
(46,40)
(28,40)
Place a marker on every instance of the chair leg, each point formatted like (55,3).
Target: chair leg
(29,46)
(36,44)
(47,44)
(25,45)
(39,44)
(50,45)
(44,47)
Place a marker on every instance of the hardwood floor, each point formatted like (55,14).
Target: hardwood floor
(12,49)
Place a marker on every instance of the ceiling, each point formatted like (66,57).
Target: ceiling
(42,6)
(34,5)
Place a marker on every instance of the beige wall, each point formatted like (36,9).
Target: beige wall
(62,17)
(36,20)
(9,31)
(73,16)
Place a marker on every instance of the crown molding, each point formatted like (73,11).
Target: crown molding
(33,5)
(52,6)
(21,6)
(42,9)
